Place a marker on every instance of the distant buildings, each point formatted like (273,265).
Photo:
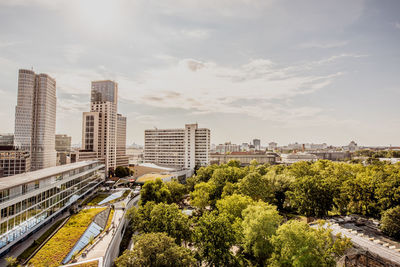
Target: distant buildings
(182,148)
(35,118)
(352,147)
(272,146)
(257,144)
(227,147)
(103,130)
(245,157)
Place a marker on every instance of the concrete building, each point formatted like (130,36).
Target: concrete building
(352,147)
(63,143)
(122,157)
(257,144)
(35,118)
(227,147)
(182,148)
(293,158)
(6,139)
(30,200)
(103,130)
(14,161)
(245,157)
(332,155)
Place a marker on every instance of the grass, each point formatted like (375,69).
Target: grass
(124,195)
(58,247)
(95,200)
(110,217)
(28,252)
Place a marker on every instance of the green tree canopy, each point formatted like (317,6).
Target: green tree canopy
(255,186)
(390,223)
(177,190)
(234,205)
(155,191)
(155,250)
(201,197)
(214,236)
(260,222)
(296,244)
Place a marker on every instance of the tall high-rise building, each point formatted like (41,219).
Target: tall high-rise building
(35,118)
(122,158)
(182,148)
(100,135)
(257,144)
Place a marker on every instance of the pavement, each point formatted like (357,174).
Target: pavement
(100,247)
(365,243)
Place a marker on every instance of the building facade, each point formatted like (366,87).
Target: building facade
(179,148)
(14,161)
(245,158)
(103,130)
(257,144)
(63,143)
(35,118)
(122,158)
(6,140)
(227,147)
(30,200)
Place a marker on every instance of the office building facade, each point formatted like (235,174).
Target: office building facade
(35,118)
(100,132)
(6,140)
(14,161)
(181,148)
(30,200)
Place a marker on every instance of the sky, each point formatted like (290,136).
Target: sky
(287,71)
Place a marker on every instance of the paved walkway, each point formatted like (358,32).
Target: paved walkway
(100,247)
(21,247)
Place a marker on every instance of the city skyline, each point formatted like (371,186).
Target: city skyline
(320,77)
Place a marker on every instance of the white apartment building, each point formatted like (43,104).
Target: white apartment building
(122,158)
(35,118)
(180,148)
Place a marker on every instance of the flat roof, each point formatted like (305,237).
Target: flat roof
(11,181)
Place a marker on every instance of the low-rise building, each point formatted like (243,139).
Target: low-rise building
(293,158)
(227,147)
(30,200)
(245,157)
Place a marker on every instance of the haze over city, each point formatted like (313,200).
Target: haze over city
(277,70)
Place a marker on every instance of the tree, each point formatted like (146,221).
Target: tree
(122,172)
(201,196)
(260,222)
(155,191)
(214,237)
(234,205)
(312,195)
(296,244)
(255,186)
(154,250)
(234,163)
(278,185)
(390,223)
(140,218)
(169,219)
(177,191)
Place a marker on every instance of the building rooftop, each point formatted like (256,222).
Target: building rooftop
(27,177)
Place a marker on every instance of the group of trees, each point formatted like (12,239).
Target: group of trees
(311,189)
(241,213)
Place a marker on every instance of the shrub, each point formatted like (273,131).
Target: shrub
(390,223)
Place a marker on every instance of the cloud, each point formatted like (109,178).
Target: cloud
(397,25)
(323,45)
(258,88)
(73,52)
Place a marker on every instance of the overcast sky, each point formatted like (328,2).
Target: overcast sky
(284,71)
